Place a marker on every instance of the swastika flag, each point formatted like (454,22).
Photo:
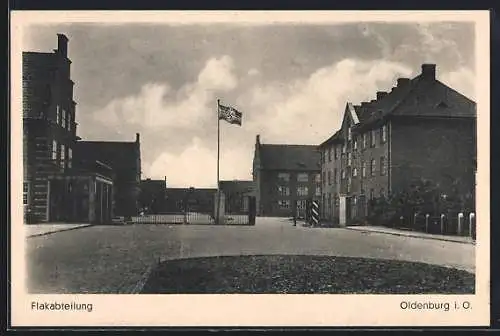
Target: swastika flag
(230,114)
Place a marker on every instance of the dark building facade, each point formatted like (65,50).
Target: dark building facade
(57,186)
(152,197)
(190,199)
(124,157)
(285,177)
(236,195)
(421,129)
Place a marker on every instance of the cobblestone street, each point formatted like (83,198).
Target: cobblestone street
(112,259)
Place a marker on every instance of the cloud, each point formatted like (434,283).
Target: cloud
(462,80)
(197,166)
(157,105)
(308,110)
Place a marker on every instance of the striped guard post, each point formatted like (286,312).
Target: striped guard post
(315,213)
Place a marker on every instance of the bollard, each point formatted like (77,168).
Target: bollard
(415,215)
(460,223)
(427,216)
(472,217)
(442,217)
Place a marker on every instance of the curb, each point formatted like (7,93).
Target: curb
(414,236)
(62,230)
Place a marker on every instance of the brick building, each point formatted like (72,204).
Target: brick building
(285,176)
(57,185)
(124,157)
(420,129)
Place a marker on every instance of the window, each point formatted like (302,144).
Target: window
(383,132)
(317,178)
(26,189)
(383,166)
(335,153)
(329,156)
(335,175)
(337,200)
(58,114)
(355,144)
(349,134)
(70,157)
(372,138)
(285,177)
(372,167)
(342,174)
(69,121)
(284,204)
(302,191)
(354,200)
(372,194)
(63,120)
(324,178)
(349,185)
(382,192)
(329,200)
(323,156)
(363,169)
(365,140)
(343,148)
(349,159)
(329,178)
(302,177)
(283,191)
(355,172)
(63,154)
(318,191)
(54,150)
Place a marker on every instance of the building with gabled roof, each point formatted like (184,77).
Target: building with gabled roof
(124,157)
(421,129)
(285,176)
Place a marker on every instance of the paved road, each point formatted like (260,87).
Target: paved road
(111,259)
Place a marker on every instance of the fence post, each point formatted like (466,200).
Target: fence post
(460,223)
(442,217)
(472,217)
(414,221)
(427,216)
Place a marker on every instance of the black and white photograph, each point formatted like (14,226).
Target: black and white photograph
(172,155)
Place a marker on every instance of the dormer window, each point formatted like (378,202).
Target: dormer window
(349,134)
(442,105)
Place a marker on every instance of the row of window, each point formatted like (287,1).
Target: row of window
(335,151)
(301,177)
(354,171)
(301,191)
(59,154)
(63,118)
(354,198)
(285,204)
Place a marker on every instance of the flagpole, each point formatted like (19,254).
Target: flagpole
(218,158)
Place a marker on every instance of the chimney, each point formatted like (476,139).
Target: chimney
(257,140)
(402,82)
(429,71)
(62,45)
(137,137)
(381,94)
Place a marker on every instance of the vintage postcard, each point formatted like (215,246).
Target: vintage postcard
(250,168)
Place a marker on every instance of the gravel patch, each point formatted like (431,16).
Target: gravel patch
(298,274)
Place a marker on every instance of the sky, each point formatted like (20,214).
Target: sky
(290,81)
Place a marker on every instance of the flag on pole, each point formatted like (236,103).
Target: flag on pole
(230,114)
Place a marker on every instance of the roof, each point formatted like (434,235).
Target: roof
(289,157)
(119,155)
(335,138)
(418,98)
